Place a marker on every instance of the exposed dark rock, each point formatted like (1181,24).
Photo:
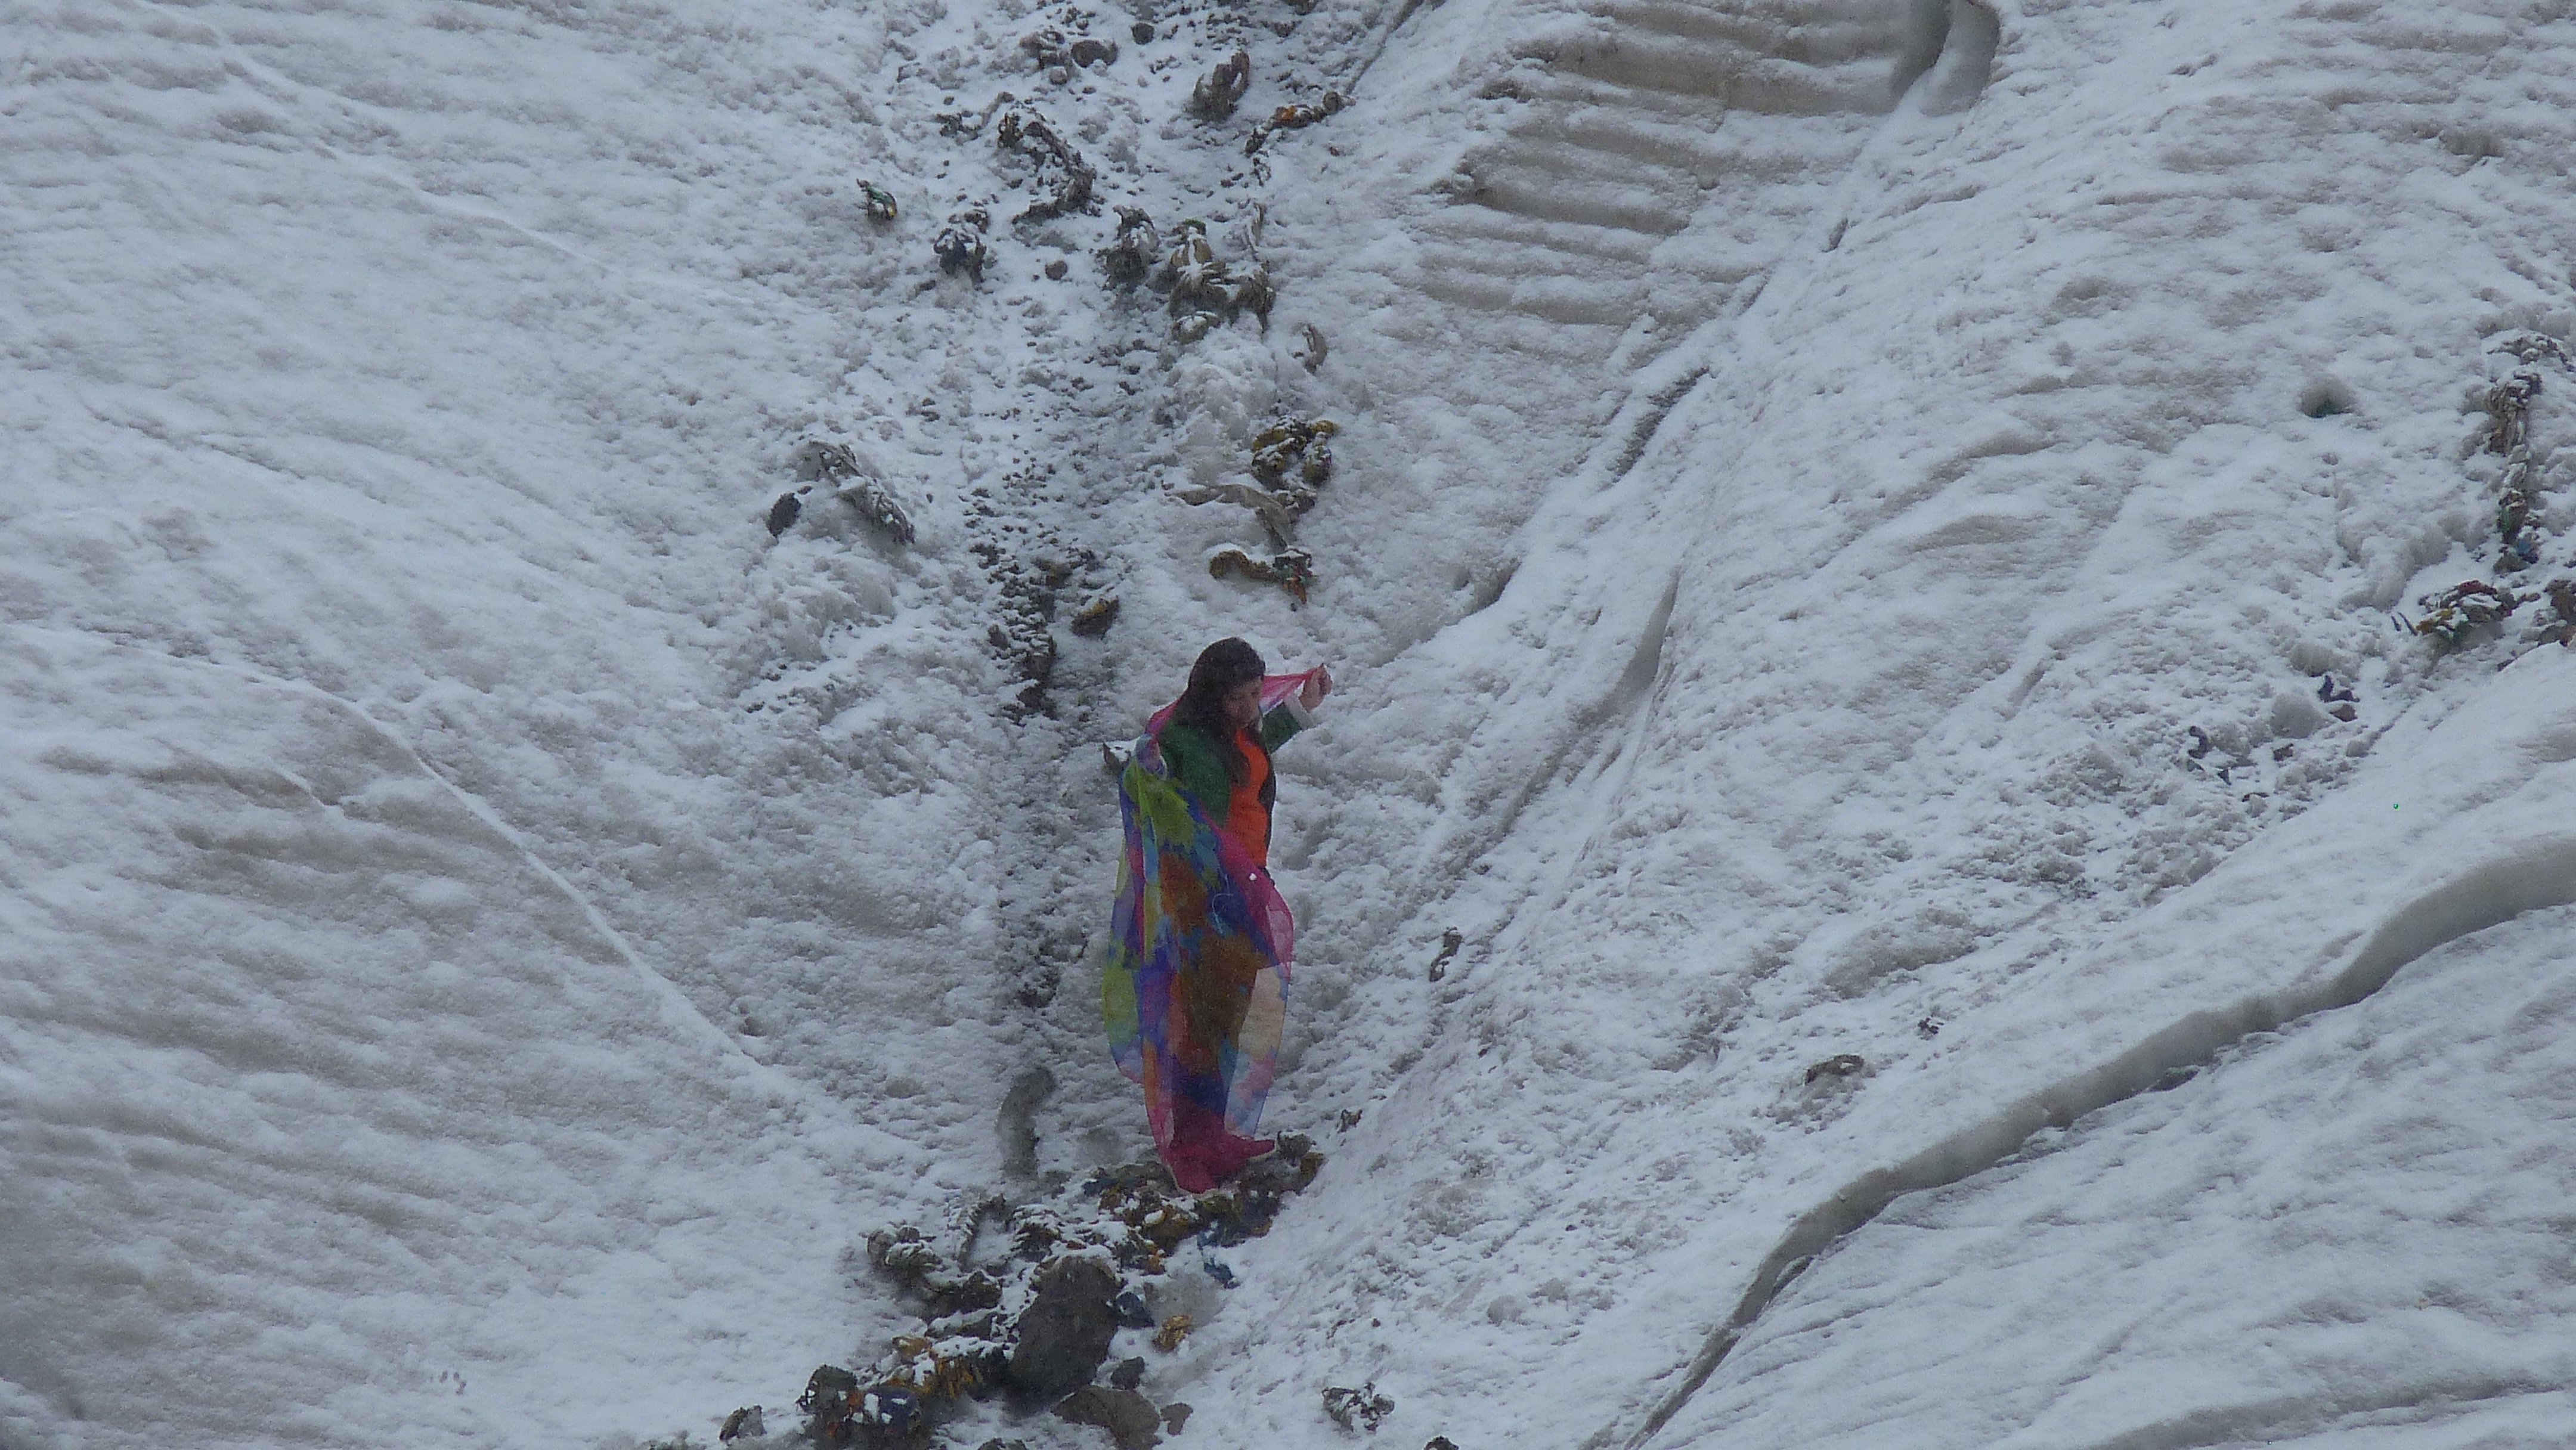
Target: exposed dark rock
(1841,1064)
(1129,1417)
(1094,618)
(1064,1336)
(783,514)
(1128,1373)
(1175,1416)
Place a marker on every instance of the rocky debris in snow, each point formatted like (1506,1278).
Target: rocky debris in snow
(904,1255)
(1276,519)
(1175,1417)
(1441,1442)
(881,207)
(1129,1417)
(2561,594)
(1253,292)
(1094,617)
(1030,566)
(1063,179)
(840,1412)
(1129,258)
(1450,941)
(1206,290)
(1290,569)
(1127,1374)
(1360,1409)
(1063,1337)
(1294,458)
(1928,1027)
(783,514)
(970,124)
(960,244)
(1056,270)
(1039,1320)
(1051,50)
(2466,606)
(1348,1118)
(744,1423)
(2508,405)
(1294,117)
(854,483)
(1841,1064)
(998,1443)
(1218,92)
(1193,274)
(1311,346)
(2339,699)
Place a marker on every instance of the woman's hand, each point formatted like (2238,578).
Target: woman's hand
(1317,686)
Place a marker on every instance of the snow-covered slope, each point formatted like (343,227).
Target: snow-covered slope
(1854,519)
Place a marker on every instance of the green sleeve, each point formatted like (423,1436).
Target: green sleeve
(1278,727)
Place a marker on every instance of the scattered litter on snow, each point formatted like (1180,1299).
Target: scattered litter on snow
(1294,117)
(1290,569)
(1360,1409)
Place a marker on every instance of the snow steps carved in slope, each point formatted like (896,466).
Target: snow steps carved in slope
(1642,113)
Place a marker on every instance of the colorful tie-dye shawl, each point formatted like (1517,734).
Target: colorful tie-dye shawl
(1194,990)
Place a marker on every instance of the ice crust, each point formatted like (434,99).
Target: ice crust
(1843,511)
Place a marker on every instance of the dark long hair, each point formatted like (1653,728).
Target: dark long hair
(1222,667)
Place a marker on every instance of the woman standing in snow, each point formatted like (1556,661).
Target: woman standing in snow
(1194,989)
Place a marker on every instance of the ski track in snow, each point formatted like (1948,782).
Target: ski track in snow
(1806,469)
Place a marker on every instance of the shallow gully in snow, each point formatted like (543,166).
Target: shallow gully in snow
(2532,878)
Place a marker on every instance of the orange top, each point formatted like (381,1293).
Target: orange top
(1246,818)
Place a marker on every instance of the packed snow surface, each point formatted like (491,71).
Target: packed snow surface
(1877,530)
